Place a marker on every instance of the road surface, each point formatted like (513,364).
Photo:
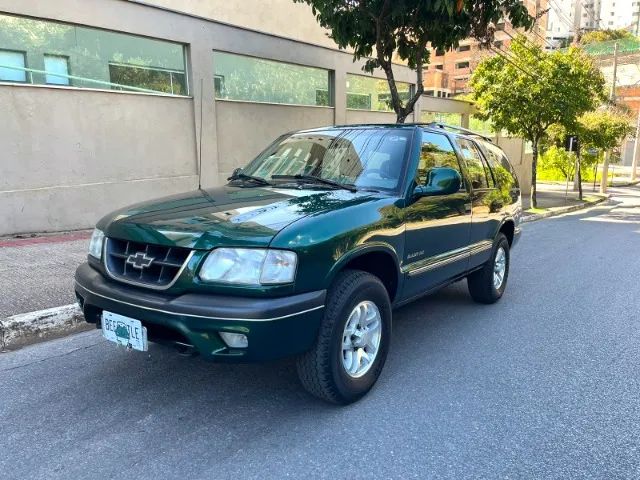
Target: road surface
(544,384)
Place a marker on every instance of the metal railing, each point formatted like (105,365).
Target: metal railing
(103,83)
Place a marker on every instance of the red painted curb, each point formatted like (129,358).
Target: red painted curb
(22,242)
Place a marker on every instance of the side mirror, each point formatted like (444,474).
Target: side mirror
(440,181)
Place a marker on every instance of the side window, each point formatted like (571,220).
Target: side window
(479,173)
(502,170)
(436,151)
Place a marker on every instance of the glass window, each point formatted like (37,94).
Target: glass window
(476,167)
(436,151)
(250,79)
(461,65)
(367,158)
(368,93)
(502,170)
(12,66)
(84,57)
(441,117)
(57,68)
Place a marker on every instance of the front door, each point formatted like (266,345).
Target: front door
(437,227)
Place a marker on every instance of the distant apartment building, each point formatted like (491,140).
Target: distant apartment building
(565,17)
(448,72)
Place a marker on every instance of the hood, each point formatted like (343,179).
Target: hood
(226,215)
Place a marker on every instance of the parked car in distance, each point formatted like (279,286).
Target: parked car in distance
(308,249)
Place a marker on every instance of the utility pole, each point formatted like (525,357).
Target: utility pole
(577,177)
(612,97)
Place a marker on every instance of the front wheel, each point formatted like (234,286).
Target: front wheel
(488,284)
(353,340)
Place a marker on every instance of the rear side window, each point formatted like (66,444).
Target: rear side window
(477,169)
(502,170)
(436,151)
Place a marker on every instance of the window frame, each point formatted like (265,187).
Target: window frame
(330,80)
(28,78)
(104,85)
(69,74)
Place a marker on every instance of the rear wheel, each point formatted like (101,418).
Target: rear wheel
(489,283)
(353,340)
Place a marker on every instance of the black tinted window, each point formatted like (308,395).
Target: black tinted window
(478,172)
(502,169)
(436,151)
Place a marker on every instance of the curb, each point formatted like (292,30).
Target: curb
(532,217)
(26,328)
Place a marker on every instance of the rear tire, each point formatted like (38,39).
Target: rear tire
(488,284)
(353,340)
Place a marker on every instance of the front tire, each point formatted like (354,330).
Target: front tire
(353,340)
(489,283)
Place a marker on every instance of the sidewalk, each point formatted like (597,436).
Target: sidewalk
(553,196)
(36,273)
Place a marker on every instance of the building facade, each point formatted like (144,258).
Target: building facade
(448,72)
(565,17)
(110,102)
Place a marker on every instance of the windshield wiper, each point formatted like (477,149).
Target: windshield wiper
(316,180)
(238,174)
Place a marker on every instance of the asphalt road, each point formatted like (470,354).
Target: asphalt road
(544,385)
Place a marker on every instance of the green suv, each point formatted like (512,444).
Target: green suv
(307,250)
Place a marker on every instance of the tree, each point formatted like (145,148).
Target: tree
(529,90)
(604,36)
(384,30)
(604,129)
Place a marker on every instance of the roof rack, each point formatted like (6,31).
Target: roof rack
(455,128)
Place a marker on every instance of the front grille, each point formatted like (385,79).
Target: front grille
(152,266)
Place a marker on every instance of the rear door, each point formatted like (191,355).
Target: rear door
(486,213)
(437,227)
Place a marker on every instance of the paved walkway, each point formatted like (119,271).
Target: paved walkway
(37,273)
(553,195)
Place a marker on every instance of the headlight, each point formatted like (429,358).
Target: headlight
(249,266)
(95,245)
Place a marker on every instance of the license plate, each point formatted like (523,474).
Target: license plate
(124,331)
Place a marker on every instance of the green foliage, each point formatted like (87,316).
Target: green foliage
(604,129)
(532,89)
(537,89)
(604,36)
(557,163)
(382,30)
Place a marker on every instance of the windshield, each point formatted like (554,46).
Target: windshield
(365,158)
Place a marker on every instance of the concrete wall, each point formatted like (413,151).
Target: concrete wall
(521,161)
(70,155)
(277,17)
(259,124)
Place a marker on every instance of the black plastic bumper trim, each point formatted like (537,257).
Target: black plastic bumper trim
(212,307)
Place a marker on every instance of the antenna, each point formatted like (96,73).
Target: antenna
(200,135)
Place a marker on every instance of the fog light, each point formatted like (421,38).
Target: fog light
(235,340)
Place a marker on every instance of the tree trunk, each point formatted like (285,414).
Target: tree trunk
(534,170)
(579,175)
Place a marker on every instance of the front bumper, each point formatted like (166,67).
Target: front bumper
(275,327)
